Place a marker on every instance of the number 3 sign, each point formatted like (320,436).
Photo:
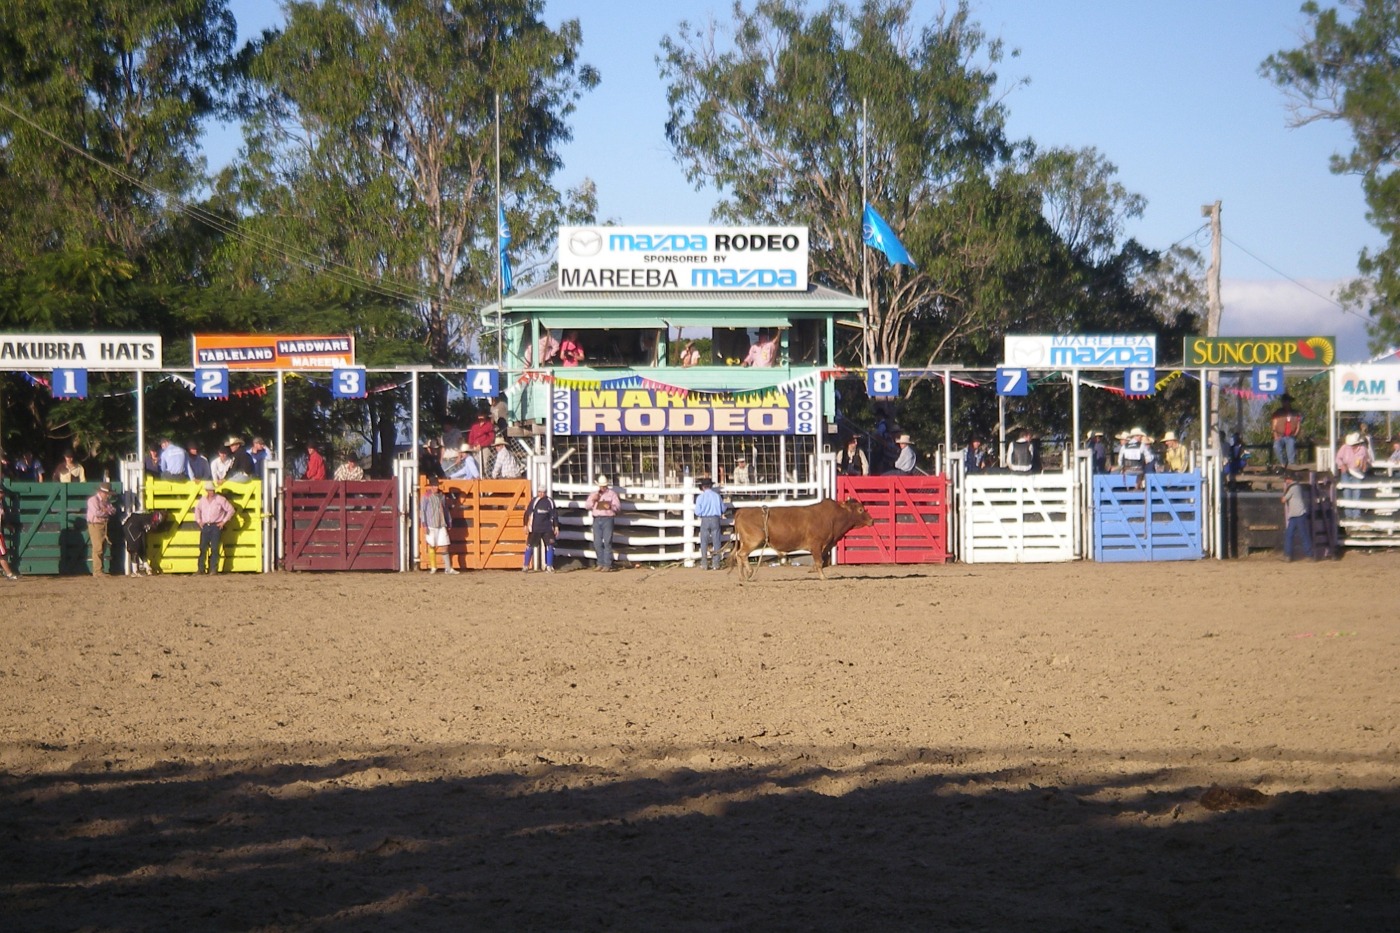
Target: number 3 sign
(348,383)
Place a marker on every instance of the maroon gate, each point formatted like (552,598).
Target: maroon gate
(911,520)
(341,526)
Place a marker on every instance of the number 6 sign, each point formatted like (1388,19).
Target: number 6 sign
(1139,382)
(348,383)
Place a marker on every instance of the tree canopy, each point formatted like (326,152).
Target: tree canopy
(1348,70)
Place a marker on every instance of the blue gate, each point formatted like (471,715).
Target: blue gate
(1161,521)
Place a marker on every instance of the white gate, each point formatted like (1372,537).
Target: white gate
(1016,518)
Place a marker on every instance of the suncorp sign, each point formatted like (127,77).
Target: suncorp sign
(612,259)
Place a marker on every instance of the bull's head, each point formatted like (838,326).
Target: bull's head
(859,515)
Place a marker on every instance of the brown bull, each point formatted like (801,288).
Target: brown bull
(814,528)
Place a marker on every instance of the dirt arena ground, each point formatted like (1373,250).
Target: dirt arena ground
(1203,746)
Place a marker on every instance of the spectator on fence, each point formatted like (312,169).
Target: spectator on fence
(259,453)
(467,466)
(904,463)
(27,469)
(174,462)
(709,508)
(241,469)
(603,504)
(211,513)
(500,413)
(1098,452)
(482,431)
(69,470)
(197,465)
(349,470)
(1137,458)
(1296,519)
(150,465)
(222,463)
(570,350)
(436,519)
(975,457)
(1286,425)
(505,466)
(741,471)
(1394,458)
(542,528)
(1174,454)
(851,461)
(315,462)
(100,511)
(1020,456)
(5,554)
(1352,463)
(430,460)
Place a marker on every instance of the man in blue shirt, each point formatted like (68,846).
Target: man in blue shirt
(174,464)
(467,467)
(709,508)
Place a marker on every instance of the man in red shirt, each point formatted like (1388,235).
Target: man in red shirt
(315,463)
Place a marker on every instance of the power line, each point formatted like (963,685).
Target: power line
(1328,298)
(338,271)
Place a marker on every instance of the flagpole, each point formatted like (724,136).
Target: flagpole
(500,287)
(864,249)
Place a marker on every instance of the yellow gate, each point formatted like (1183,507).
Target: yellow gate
(488,523)
(174,547)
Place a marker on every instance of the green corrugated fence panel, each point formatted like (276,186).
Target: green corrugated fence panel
(174,546)
(46,528)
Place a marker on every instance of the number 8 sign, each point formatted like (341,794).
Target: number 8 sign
(882,381)
(348,383)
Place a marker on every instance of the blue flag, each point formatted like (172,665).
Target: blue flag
(877,234)
(507,280)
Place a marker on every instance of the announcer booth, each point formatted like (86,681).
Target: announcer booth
(663,355)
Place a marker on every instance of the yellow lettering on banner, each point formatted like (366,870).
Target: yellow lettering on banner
(669,400)
(599,421)
(636,398)
(644,420)
(596,398)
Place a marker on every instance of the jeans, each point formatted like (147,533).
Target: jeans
(602,540)
(209,544)
(1286,450)
(711,542)
(1300,526)
(1352,492)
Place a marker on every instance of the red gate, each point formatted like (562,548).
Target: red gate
(341,526)
(911,520)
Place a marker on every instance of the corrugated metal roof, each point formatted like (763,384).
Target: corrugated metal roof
(816,297)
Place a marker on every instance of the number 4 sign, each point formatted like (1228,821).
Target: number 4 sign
(483,383)
(348,383)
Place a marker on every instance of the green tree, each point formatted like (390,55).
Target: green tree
(371,147)
(776,120)
(1348,69)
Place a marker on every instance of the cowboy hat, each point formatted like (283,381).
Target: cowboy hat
(601,480)
(903,439)
(234,441)
(1170,436)
(1137,432)
(1353,438)
(500,441)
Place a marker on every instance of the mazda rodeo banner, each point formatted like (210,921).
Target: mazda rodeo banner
(682,259)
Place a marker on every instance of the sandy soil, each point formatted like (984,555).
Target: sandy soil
(927,748)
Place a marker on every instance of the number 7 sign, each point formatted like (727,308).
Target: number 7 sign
(1014,382)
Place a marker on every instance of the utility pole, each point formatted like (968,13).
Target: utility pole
(1213,296)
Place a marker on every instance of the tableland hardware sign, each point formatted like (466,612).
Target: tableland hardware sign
(1080,351)
(273,351)
(1366,387)
(1244,352)
(682,259)
(106,352)
(577,412)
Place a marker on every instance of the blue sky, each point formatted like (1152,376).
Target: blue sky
(1170,92)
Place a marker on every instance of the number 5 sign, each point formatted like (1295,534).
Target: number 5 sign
(349,383)
(1268,380)
(1139,382)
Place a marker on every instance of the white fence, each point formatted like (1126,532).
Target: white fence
(1016,518)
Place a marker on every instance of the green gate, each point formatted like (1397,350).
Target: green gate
(46,528)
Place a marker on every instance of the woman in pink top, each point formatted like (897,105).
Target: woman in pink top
(570,353)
